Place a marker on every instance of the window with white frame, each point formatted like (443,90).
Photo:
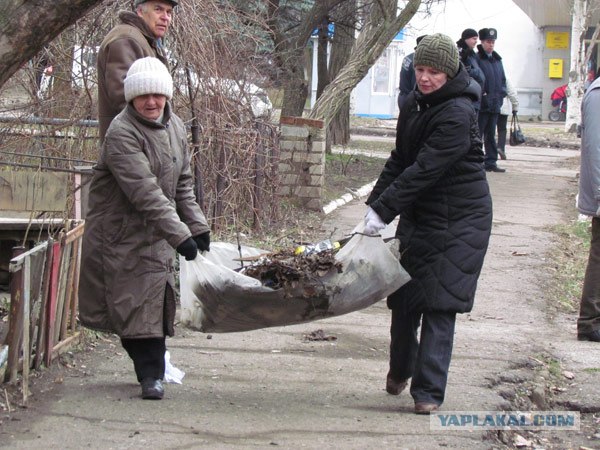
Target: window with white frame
(381,74)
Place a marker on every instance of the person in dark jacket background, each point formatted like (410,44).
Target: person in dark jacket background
(493,94)
(407,76)
(435,181)
(142,209)
(588,203)
(466,44)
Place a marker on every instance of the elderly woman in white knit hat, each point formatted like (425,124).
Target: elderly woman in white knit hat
(141,207)
(436,182)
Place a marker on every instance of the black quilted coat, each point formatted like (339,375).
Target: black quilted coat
(435,180)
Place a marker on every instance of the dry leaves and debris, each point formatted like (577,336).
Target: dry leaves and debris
(283,269)
(319,335)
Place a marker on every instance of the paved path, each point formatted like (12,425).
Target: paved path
(272,387)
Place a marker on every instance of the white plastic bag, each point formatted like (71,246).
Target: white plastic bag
(172,373)
(215,298)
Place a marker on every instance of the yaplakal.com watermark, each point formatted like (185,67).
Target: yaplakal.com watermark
(504,420)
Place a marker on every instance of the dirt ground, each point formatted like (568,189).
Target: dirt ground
(277,387)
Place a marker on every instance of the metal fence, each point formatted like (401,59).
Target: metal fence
(43,307)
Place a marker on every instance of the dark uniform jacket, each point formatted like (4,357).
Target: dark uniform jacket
(408,79)
(142,206)
(494,89)
(435,180)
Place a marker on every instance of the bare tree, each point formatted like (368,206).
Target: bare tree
(341,49)
(381,25)
(577,73)
(27,26)
(289,44)
(217,60)
(216,64)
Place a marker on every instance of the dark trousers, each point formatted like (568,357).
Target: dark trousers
(148,356)
(427,359)
(487,129)
(502,130)
(589,310)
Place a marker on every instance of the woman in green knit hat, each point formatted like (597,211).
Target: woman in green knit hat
(436,182)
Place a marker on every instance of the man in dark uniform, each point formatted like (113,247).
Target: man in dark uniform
(494,91)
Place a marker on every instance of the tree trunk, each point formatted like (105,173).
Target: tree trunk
(62,90)
(377,33)
(322,71)
(295,90)
(341,48)
(26,26)
(577,70)
(289,50)
(339,127)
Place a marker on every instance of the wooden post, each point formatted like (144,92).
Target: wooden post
(75,284)
(15,320)
(68,288)
(26,320)
(73,241)
(51,311)
(41,338)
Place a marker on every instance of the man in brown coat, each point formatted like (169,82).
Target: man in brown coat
(142,207)
(139,34)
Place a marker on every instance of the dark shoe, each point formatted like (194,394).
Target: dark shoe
(593,336)
(425,408)
(394,387)
(494,169)
(152,389)
(501,153)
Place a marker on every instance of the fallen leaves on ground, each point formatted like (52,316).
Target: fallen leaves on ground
(319,335)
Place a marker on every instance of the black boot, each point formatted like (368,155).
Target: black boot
(152,389)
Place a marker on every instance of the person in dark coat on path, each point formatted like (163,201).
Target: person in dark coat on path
(588,203)
(466,44)
(435,181)
(493,94)
(141,208)
(407,76)
(139,34)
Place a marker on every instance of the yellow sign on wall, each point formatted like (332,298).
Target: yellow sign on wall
(557,40)
(555,68)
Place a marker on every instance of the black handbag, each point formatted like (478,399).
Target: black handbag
(516,135)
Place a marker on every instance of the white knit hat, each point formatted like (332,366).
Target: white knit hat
(148,76)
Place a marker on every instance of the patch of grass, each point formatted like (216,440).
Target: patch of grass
(345,171)
(358,121)
(592,369)
(568,262)
(553,365)
(366,145)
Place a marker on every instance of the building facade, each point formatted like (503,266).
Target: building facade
(535,48)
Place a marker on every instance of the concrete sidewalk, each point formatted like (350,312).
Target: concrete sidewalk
(274,387)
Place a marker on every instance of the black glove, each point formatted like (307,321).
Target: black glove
(203,241)
(188,249)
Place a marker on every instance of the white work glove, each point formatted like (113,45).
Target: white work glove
(373,223)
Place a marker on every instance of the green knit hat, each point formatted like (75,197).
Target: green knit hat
(438,51)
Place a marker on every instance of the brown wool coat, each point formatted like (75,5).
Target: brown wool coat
(141,207)
(125,43)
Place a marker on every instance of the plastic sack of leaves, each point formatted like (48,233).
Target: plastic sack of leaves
(216,298)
